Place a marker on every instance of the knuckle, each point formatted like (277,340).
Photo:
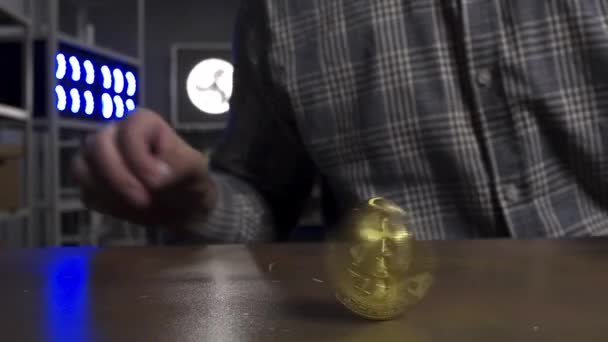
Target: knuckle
(137,118)
(124,186)
(143,112)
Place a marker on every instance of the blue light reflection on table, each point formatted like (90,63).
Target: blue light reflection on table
(67,304)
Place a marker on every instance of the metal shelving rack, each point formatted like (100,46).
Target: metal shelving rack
(54,200)
(16,25)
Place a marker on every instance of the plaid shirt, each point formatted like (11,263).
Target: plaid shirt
(481,118)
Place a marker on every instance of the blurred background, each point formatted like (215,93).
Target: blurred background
(70,67)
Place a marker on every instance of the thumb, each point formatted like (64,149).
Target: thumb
(176,160)
(151,149)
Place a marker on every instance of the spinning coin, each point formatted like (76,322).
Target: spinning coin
(372,263)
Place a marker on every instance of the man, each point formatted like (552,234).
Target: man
(481,118)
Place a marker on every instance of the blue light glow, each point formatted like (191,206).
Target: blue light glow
(119,106)
(62,67)
(130,105)
(62,100)
(107,107)
(90,72)
(90,102)
(119,81)
(131,83)
(66,297)
(75,65)
(75,97)
(96,87)
(107,77)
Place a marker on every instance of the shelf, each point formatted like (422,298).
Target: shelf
(108,53)
(82,124)
(201,127)
(11,32)
(14,113)
(71,205)
(21,213)
(74,124)
(70,192)
(9,15)
(70,144)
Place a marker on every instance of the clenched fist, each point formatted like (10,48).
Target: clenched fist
(140,170)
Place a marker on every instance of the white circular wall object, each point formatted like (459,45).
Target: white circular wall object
(209,86)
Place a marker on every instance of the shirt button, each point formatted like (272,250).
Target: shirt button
(484,77)
(511,193)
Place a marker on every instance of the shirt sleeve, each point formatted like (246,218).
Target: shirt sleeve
(263,173)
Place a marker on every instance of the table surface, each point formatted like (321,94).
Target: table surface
(484,291)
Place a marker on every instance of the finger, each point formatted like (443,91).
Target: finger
(168,147)
(183,160)
(138,139)
(104,203)
(95,194)
(109,169)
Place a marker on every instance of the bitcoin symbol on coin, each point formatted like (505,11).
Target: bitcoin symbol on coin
(371,262)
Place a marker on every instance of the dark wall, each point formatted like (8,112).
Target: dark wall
(115,22)
(180,21)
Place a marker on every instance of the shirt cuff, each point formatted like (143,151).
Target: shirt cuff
(240,214)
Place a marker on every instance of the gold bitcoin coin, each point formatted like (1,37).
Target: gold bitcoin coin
(371,262)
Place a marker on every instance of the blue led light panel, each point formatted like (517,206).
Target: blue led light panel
(92,86)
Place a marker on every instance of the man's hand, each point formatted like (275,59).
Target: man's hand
(141,171)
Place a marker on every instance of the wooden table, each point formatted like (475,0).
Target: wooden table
(484,291)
